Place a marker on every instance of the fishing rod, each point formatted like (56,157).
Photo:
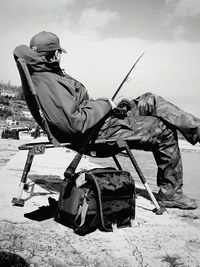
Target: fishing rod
(72,167)
(125,78)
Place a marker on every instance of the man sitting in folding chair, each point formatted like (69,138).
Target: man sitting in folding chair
(71,113)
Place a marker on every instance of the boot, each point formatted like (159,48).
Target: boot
(177,200)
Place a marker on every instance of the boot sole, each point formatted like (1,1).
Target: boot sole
(172,204)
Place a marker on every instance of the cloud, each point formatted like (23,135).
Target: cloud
(182,9)
(187,9)
(32,14)
(33,6)
(179,32)
(92,18)
(181,18)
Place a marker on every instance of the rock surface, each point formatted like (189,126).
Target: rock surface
(170,239)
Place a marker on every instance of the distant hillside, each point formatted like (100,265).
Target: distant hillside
(13,105)
(8,90)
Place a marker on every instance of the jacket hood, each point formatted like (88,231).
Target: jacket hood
(35,61)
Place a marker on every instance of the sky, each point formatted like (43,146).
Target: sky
(104,38)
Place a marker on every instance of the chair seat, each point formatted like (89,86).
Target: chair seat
(100,148)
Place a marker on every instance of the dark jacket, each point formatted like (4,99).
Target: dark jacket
(64,100)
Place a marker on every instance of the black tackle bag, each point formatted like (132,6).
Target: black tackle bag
(97,199)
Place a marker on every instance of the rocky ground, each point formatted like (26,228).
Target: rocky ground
(170,239)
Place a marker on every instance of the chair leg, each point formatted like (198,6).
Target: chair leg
(33,149)
(123,144)
(69,172)
(117,162)
(18,201)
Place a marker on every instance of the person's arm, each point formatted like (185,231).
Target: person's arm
(87,114)
(63,105)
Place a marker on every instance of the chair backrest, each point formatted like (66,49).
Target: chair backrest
(32,100)
(36,110)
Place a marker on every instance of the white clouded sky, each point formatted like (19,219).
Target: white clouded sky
(104,38)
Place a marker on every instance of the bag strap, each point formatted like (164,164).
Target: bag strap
(105,170)
(91,178)
(82,211)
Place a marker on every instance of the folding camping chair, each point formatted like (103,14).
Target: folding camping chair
(89,146)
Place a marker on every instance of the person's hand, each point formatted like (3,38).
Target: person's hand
(124,104)
(119,113)
(146,104)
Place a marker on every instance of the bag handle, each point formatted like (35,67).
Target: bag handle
(91,178)
(82,211)
(106,170)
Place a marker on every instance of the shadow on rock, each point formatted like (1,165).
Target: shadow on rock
(8,259)
(143,193)
(44,212)
(51,183)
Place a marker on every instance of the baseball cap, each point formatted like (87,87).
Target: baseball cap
(45,41)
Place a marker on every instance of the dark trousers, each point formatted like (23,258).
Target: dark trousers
(187,124)
(158,133)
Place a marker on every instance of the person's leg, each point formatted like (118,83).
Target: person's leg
(168,158)
(152,134)
(170,173)
(185,122)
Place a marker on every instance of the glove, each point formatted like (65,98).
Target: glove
(124,104)
(146,104)
(119,113)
